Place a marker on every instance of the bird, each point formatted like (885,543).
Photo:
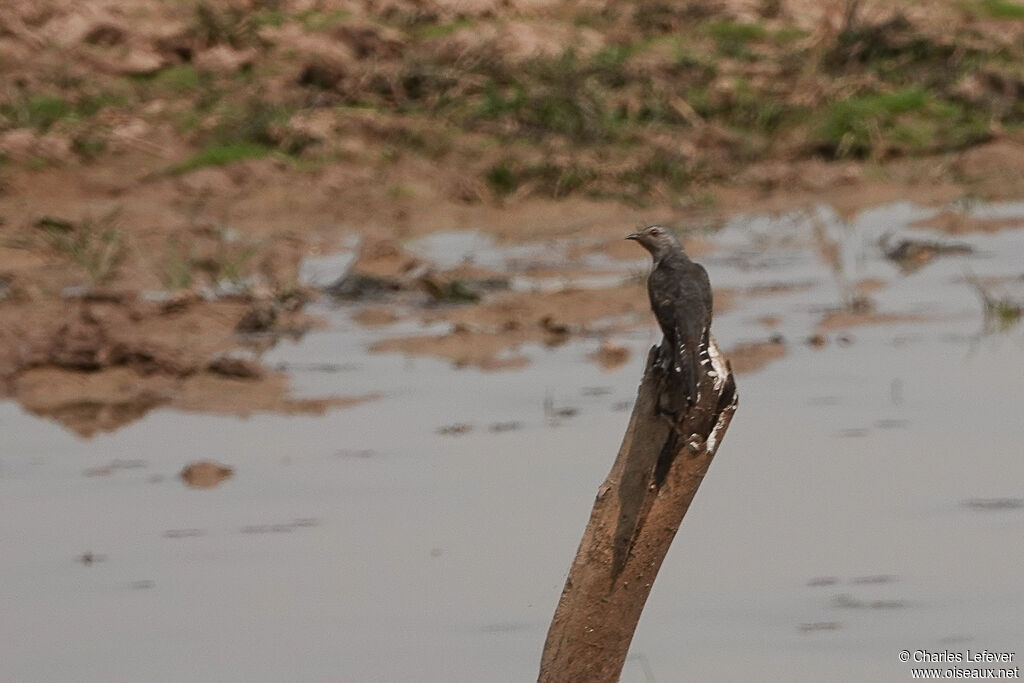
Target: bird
(681,299)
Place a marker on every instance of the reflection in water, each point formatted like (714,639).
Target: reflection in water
(381,543)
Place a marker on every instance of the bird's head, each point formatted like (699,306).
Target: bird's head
(657,240)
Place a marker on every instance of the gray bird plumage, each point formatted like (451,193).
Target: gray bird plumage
(680,294)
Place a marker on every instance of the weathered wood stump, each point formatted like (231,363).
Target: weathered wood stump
(638,510)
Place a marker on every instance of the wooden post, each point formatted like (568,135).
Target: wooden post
(636,515)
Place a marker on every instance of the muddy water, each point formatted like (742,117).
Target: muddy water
(866,500)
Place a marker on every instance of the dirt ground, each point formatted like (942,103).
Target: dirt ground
(166,169)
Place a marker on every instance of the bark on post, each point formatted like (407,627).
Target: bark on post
(636,514)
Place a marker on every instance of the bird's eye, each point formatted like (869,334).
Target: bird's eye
(654,232)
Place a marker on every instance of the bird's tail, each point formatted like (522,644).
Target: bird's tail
(691,372)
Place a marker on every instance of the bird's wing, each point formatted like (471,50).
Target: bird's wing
(679,299)
(697,301)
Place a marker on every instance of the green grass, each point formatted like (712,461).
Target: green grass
(321,20)
(90,104)
(789,34)
(43,112)
(89,148)
(1006,312)
(998,9)
(269,17)
(222,154)
(502,179)
(546,178)
(900,55)
(693,61)
(563,96)
(40,112)
(180,78)
(749,110)
(73,116)
(177,82)
(560,180)
(661,168)
(432,31)
(252,122)
(903,121)
(257,122)
(852,124)
(608,65)
(250,130)
(733,38)
(1002,313)
(737,31)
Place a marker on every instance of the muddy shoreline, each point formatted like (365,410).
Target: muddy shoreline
(95,355)
(165,172)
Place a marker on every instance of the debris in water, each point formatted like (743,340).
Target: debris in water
(183,533)
(994,503)
(1001,312)
(360,453)
(449,291)
(205,475)
(88,558)
(281,528)
(553,414)
(874,578)
(911,255)
(820,626)
(817,341)
(455,429)
(357,287)
(822,581)
(610,356)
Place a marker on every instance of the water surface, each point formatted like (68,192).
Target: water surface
(839,524)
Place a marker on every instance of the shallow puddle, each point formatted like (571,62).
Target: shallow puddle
(425,536)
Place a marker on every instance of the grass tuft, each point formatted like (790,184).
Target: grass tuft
(234,26)
(177,270)
(998,9)
(95,245)
(314,20)
(904,121)
(502,179)
(180,78)
(40,112)
(222,154)
(733,38)
(1002,313)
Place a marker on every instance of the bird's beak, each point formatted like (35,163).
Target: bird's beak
(634,236)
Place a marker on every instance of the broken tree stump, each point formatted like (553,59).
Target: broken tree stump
(638,510)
